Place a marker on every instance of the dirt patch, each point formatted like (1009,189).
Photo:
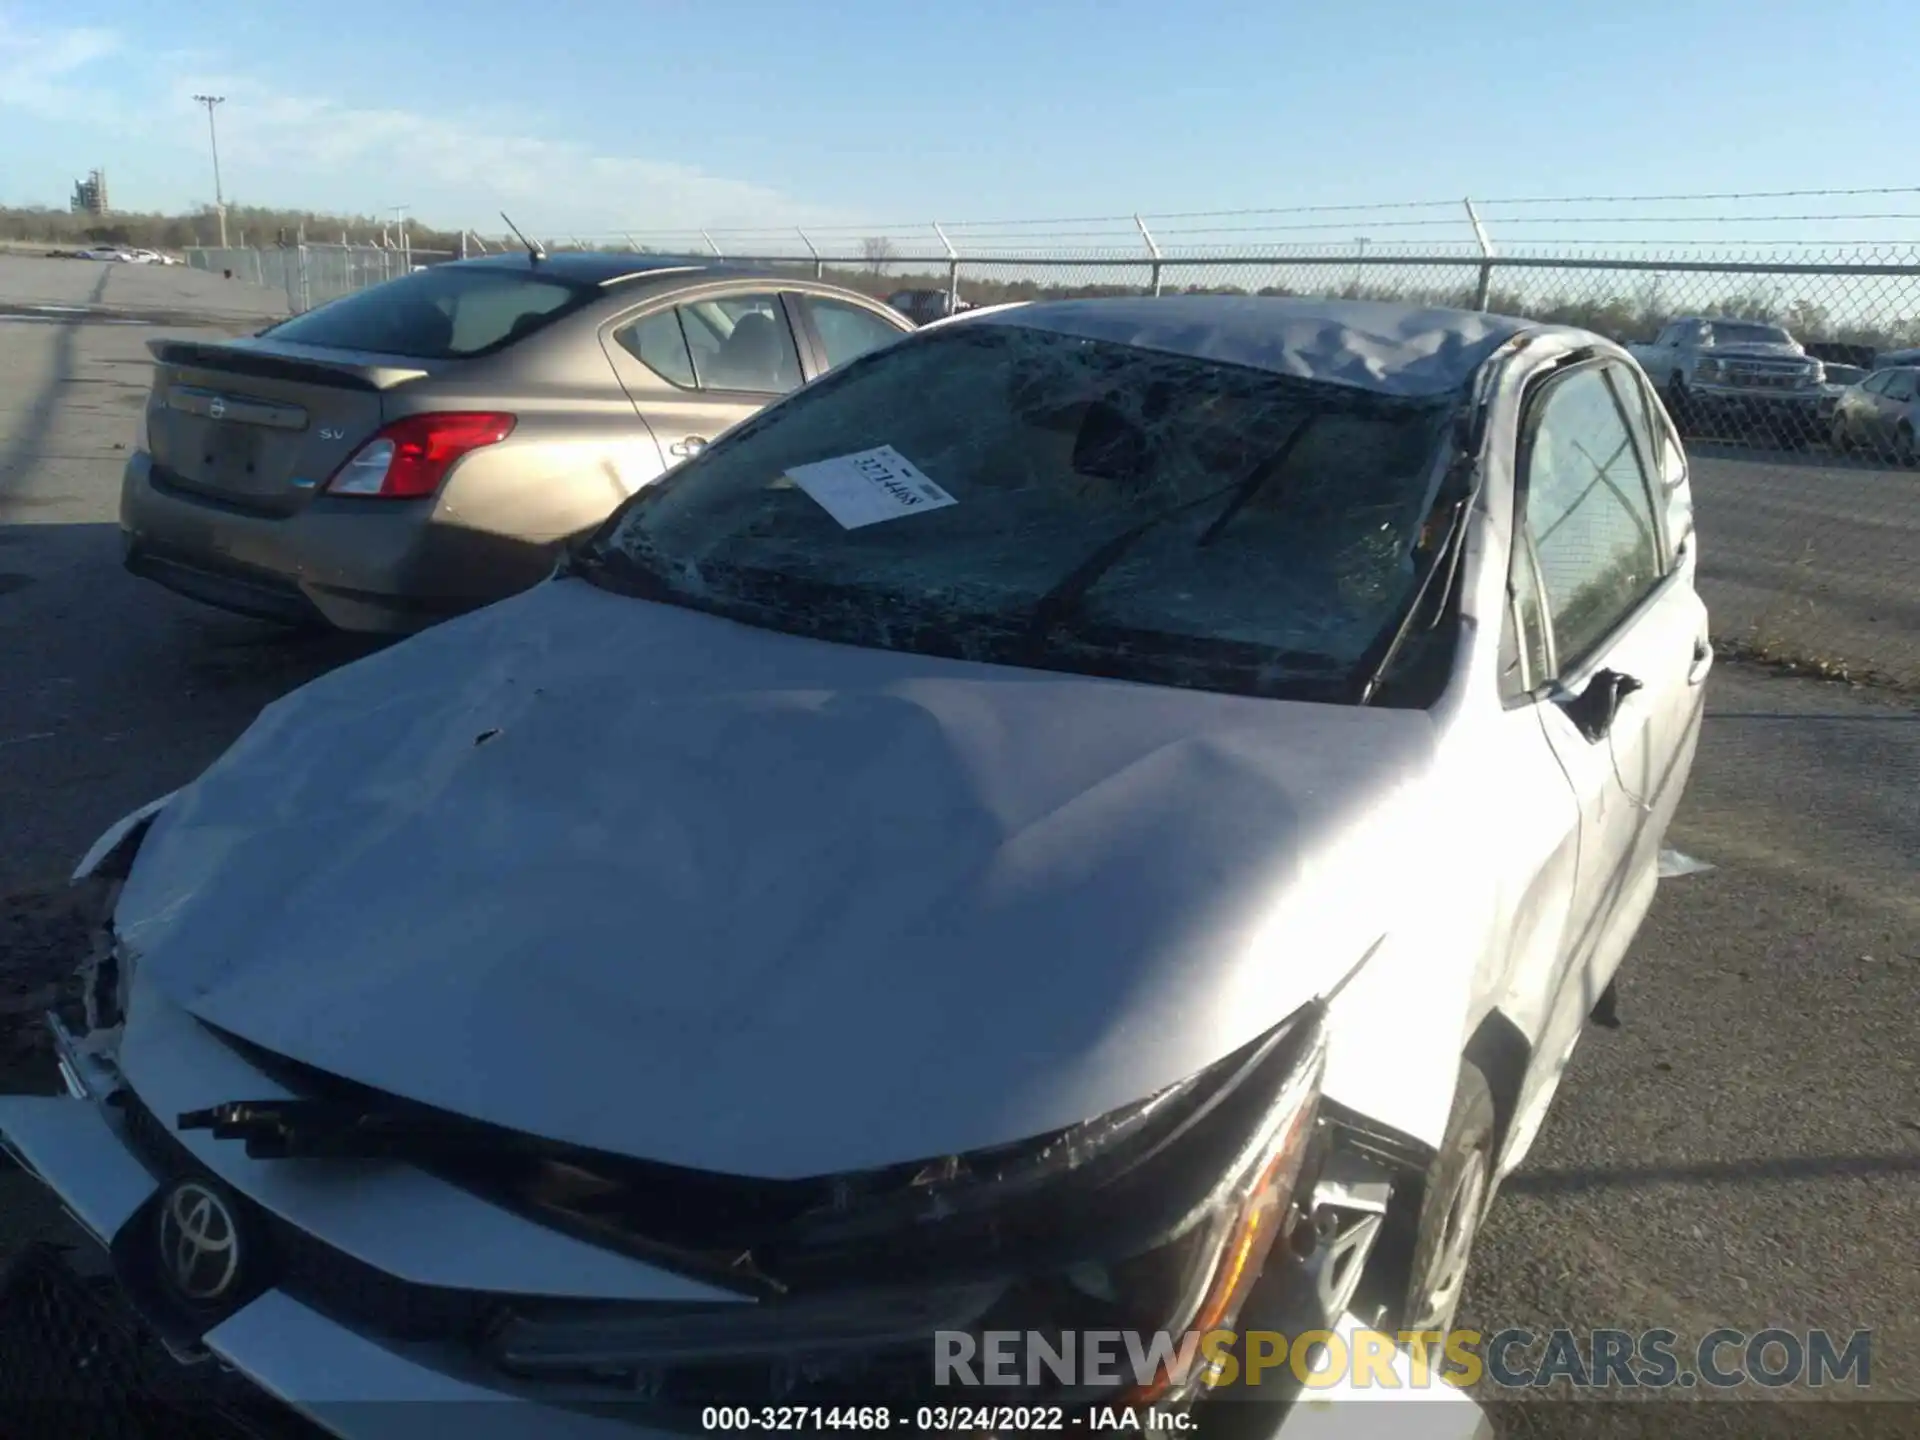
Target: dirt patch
(43,938)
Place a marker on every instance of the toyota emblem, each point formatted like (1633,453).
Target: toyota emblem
(217,409)
(199,1243)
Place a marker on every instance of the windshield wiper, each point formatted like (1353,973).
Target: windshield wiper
(1060,600)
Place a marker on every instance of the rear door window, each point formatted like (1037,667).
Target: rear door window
(444,312)
(742,343)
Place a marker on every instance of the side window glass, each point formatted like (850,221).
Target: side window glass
(1900,385)
(1533,620)
(1590,512)
(1877,384)
(1660,453)
(658,343)
(846,331)
(742,342)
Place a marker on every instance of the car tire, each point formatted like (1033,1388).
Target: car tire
(1838,439)
(1904,453)
(1425,1255)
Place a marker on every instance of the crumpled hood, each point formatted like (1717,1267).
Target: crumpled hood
(648,880)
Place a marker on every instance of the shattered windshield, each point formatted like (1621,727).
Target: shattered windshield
(1010,494)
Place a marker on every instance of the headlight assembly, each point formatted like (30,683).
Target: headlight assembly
(1157,1219)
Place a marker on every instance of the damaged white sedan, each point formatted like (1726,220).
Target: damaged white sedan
(1104,818)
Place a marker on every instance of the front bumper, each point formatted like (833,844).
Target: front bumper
(79,1358)
(1785,402)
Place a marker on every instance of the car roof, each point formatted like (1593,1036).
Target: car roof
(1388,348)
(608,267)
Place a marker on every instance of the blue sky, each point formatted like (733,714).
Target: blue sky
(592,116)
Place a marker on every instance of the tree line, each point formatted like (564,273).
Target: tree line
(251,225)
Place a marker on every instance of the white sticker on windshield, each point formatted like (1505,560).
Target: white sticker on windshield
(868,487)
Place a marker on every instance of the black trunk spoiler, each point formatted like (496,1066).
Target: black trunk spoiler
(240,358)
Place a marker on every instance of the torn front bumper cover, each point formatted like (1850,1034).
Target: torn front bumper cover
(78,1358)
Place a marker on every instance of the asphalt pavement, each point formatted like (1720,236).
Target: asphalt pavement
(1743,1152)
(1812,556)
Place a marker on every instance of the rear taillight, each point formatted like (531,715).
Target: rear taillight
(410,457)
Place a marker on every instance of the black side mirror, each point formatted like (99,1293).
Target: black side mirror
(1595,708)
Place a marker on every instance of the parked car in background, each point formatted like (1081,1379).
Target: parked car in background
(1896,359)
(1737,378)
(1835,381)
(1147,697)
(923,307)
(1880,415)
(430,444)
(104,252)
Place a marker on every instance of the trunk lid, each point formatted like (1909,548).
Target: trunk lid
(260,425)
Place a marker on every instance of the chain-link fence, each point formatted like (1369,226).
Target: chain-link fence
(311,275)
(1800,421)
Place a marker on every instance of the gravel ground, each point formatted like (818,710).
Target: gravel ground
(1744,1152)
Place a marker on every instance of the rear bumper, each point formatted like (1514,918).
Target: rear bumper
(349,564)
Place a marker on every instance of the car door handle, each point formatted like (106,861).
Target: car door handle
(692,445)
(1702,662)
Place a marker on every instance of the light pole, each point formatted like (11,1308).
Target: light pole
(219,200)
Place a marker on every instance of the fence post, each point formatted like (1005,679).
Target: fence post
(478,243)
(259,275)
(463,244)
(711,246)
(1152,249)
(819,265)
(1484,289)
(953,268)
(306,282)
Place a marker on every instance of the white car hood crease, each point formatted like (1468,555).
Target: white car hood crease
(651,881)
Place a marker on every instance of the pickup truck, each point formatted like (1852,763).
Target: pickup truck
(1740,372)
(923,307)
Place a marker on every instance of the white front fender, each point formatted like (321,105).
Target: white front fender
(117,834)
